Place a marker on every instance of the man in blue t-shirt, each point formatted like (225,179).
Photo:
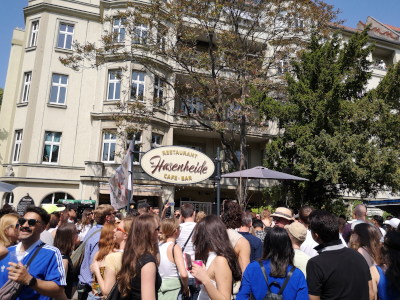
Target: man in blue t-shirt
(256,245)
(45,278)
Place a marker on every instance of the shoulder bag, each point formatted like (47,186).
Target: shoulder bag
(79,253)
(11,289)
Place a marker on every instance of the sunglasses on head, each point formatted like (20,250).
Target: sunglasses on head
(31,222)
(120,229)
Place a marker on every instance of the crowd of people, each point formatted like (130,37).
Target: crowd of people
(240,255)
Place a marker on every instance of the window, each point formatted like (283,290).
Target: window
(8,198)
(299,23)
(55,197)
(137,90)
(114,85)
(119,30)
(194,104)
(59,89)
(27,85)
(140,35)
(34,34)
(161,37)
(109,142)
(156,141)
(137,145)
(52,144)
(159,85)
(280,21)
(65,36)
(17,146)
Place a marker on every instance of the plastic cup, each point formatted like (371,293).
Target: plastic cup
(199,263)
(17,256)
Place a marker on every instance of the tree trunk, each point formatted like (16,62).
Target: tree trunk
(241,191)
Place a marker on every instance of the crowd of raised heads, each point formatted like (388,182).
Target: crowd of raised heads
(47,253)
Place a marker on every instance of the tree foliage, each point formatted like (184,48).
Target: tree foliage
(341,137)
(209,54)
(1,96)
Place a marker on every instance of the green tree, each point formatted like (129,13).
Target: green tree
(209,54)
(340,137)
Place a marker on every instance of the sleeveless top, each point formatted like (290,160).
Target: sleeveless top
(167,269)
(70,277)
(203,292)
(385,291)
(234,236)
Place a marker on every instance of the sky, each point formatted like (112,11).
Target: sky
(385,11)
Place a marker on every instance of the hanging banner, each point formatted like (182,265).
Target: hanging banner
(119,182)
(177,165)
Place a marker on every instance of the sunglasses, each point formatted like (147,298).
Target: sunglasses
(31,222)
(120,229)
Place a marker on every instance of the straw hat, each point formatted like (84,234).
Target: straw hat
(283,212)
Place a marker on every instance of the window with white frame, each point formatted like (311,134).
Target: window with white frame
(156,141)
(137,88)
(109,143)
(137,147)
(17,146)
(8,198)
(59,89)
(119,30)
(27,86)
(114,85)
(299,23)
(283,66)
(65,35)
(159,86)
(34,34)
(194,105)
(140,34)
(52,144)
(161,37)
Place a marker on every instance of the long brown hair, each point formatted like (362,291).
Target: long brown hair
(369,237)
(266,214)
(65,238)
(106,242)
(210,234)
(86,217)
(139,243)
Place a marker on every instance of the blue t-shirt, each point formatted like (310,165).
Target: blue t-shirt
(47,265)
(253,282)
(256,245)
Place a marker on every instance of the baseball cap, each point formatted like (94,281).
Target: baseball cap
(387,222)
(144,204)
(72,206)
(50,208)
(298,231)
(394,222)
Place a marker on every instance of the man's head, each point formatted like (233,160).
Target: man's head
(177,213)
(377,220)
(297,233)
(187,211)
(104,213)
(324,226)
(32,224)
(360,212)
(54,219)
(64,216)
(258,225)
(282,216)
(72,209)
(304,215)
(247,220)
(156,211)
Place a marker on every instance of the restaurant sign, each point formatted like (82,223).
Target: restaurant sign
(177,165)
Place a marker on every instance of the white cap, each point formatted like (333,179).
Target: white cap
(387,222)
(394,222)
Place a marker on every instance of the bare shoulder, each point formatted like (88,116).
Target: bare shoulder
(242,244)
(221,262)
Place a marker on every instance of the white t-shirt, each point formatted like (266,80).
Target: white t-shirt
(383,231)
(186,230)
(308,245)
(300,260)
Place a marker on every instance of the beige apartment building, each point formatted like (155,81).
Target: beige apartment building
(55,123)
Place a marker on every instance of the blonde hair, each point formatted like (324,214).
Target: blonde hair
(5,222)
(168,228)
(200,215)
(265,214)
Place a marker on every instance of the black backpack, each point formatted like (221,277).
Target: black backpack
(270,295)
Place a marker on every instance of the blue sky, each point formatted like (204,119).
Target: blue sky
(386,11)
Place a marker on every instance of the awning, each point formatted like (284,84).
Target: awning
(138,190)
(391,206)
(81,202)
